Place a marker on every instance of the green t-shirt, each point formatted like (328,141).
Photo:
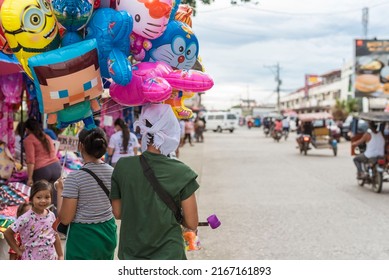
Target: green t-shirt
(149,229)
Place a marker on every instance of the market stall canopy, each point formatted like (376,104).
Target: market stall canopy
(314,116)
(9,64)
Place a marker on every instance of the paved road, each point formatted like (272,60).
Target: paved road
(277,204)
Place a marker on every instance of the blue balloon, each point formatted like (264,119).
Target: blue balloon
(72,14)
(174,9)
(112,30)
(70,38)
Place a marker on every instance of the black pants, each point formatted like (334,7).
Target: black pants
(187,135)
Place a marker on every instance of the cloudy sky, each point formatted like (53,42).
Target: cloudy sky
(241,44)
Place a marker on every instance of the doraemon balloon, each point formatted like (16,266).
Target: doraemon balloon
(178,46)
(150,20)
(176,4)
(30,28)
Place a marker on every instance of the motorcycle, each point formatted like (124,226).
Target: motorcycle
(315,133)
(374,173)
(277,135)
(304,141)
(266,130)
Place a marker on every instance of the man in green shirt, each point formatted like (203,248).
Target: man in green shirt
(149,229)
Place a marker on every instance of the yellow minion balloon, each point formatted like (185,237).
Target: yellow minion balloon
(30,28)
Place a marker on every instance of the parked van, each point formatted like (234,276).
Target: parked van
(219,121)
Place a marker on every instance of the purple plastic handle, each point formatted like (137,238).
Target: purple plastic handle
(213,221)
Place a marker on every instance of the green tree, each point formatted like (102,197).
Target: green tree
(343,108)
(339,112)
(352,105)
(192,3)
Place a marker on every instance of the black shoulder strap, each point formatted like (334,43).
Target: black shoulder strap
(163,194)
(99,181)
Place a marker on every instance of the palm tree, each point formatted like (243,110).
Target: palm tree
(352,105)
(339,111)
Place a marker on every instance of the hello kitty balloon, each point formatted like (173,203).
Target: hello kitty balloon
(150,20)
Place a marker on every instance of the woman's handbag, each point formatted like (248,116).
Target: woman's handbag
(162,193)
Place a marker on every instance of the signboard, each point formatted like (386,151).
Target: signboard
(371,68)
(69,143)
(310,80)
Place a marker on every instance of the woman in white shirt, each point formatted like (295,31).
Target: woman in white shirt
(122,143)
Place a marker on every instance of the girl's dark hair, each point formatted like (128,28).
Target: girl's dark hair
(20,211)
(125,132)
(41,185)
(35,127)
(94,141)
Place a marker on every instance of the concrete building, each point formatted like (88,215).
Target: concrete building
(322,95)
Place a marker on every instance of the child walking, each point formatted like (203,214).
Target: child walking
(38,238)
(22,208)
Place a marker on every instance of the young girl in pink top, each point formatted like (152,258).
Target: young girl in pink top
(23,208)
(38,238)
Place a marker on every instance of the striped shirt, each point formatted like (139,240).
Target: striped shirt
(93,205)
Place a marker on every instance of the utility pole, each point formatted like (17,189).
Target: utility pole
(279,82)
(365,21)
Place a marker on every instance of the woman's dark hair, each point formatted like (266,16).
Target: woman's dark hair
(20,211)
(41,185)
(125,132)
(94,141)
(35,127)
(20,129)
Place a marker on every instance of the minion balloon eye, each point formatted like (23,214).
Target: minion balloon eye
(44,5)
(33,20)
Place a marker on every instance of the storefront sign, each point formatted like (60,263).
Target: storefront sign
(69,143)
(371,68)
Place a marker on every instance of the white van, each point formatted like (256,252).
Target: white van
(219,121)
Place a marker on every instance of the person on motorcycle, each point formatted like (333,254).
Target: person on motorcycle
(277,127)
(375,147)
(307,128)
(285,125)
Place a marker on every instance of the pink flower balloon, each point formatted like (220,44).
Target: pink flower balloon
(12,86)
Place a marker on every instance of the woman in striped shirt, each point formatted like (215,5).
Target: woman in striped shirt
(85,205)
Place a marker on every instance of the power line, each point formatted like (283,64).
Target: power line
(312,13)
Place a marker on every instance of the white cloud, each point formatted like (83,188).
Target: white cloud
(305,37)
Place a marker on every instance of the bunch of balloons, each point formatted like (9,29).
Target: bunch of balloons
(67,46)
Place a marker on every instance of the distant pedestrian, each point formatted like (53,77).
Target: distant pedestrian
(199,129)
(182,134)
(189,131)
(39,239)
(122,143)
